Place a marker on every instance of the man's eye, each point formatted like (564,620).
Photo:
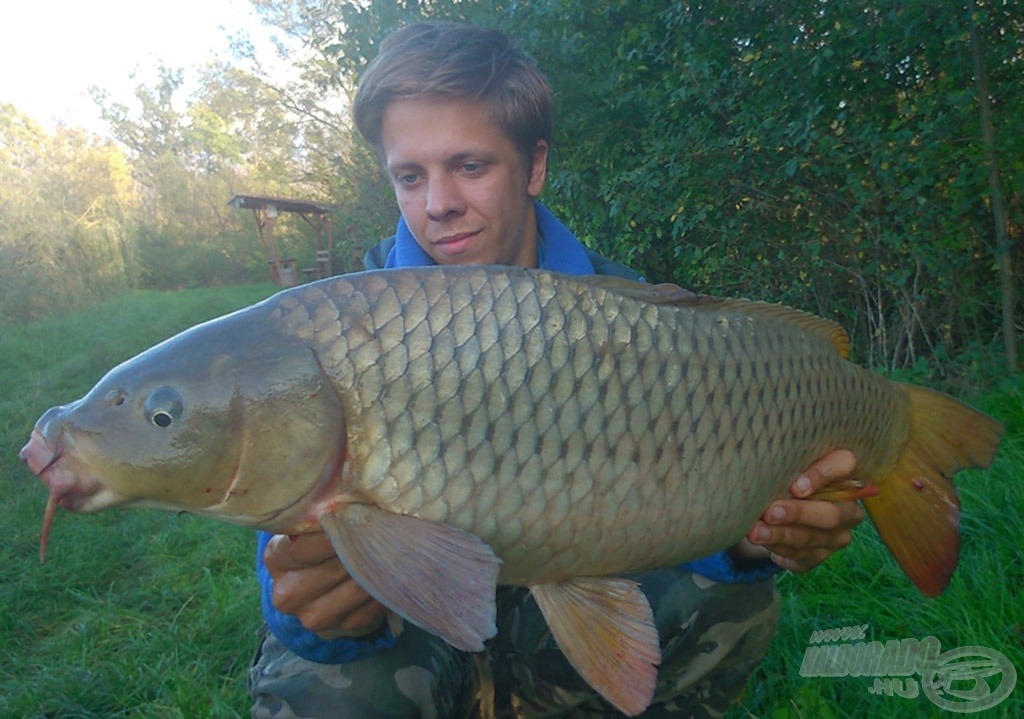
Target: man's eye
(406,179)
(473,168)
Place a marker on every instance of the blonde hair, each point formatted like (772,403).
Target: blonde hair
(459,62)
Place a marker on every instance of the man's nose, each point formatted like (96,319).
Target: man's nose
(443,198)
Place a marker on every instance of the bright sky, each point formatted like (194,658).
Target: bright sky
(53,51)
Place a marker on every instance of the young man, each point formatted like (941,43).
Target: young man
(462,121)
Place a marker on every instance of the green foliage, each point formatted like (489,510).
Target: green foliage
(827,155)
(187,164)
(65,219)
(820,154)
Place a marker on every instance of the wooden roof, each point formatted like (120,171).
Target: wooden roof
(262,202)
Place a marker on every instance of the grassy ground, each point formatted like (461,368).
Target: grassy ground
(983,606)
(149,614)
(134,614)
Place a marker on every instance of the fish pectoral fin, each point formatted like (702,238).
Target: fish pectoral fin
(605,628)
(434,575)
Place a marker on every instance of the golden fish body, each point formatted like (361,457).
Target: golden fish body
(454,428)
(575,430)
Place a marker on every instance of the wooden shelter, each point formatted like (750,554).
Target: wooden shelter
(316,214)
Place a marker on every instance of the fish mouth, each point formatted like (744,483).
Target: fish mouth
(66,488)
(37,455)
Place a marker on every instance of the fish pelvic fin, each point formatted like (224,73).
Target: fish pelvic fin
(605,627)
(917,511)
(434,575)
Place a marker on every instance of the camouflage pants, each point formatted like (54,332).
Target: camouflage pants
(712,638)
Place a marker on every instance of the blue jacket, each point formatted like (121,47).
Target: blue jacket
(558,251)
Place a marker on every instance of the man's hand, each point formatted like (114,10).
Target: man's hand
(311,583)
(799,534)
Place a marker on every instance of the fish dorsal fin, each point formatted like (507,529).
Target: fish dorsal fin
(831,332)
(670,294)
(663,294)
(434,575)
(605,628)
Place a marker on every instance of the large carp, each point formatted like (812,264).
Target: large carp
(451,429)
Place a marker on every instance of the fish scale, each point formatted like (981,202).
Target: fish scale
(454,428)
(635,358)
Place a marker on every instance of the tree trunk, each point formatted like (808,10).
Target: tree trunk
(1002,249)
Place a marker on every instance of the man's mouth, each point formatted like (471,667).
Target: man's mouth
(455,244)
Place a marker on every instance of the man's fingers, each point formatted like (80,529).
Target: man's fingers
(814,514)
(294,590)
(801,533)
(325,599)
(788,539)
(311,583)
(285,553)
(345,607)
(836,464)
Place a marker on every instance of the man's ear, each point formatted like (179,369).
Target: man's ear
(538,168)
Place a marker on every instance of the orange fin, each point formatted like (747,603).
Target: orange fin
(605,628)
(917,512)
(434,575)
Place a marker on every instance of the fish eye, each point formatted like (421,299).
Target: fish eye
(163,407)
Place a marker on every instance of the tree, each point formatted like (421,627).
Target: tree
(828,155)
(65,230)
(813,152)
(999,219)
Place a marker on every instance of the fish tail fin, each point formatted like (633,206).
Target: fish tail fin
(917,512)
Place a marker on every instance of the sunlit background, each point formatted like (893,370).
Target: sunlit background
(53,52)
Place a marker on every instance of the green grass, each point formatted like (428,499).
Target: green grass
(983,606)
(134,614)
(150,614)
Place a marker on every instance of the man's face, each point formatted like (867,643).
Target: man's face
(461,183)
